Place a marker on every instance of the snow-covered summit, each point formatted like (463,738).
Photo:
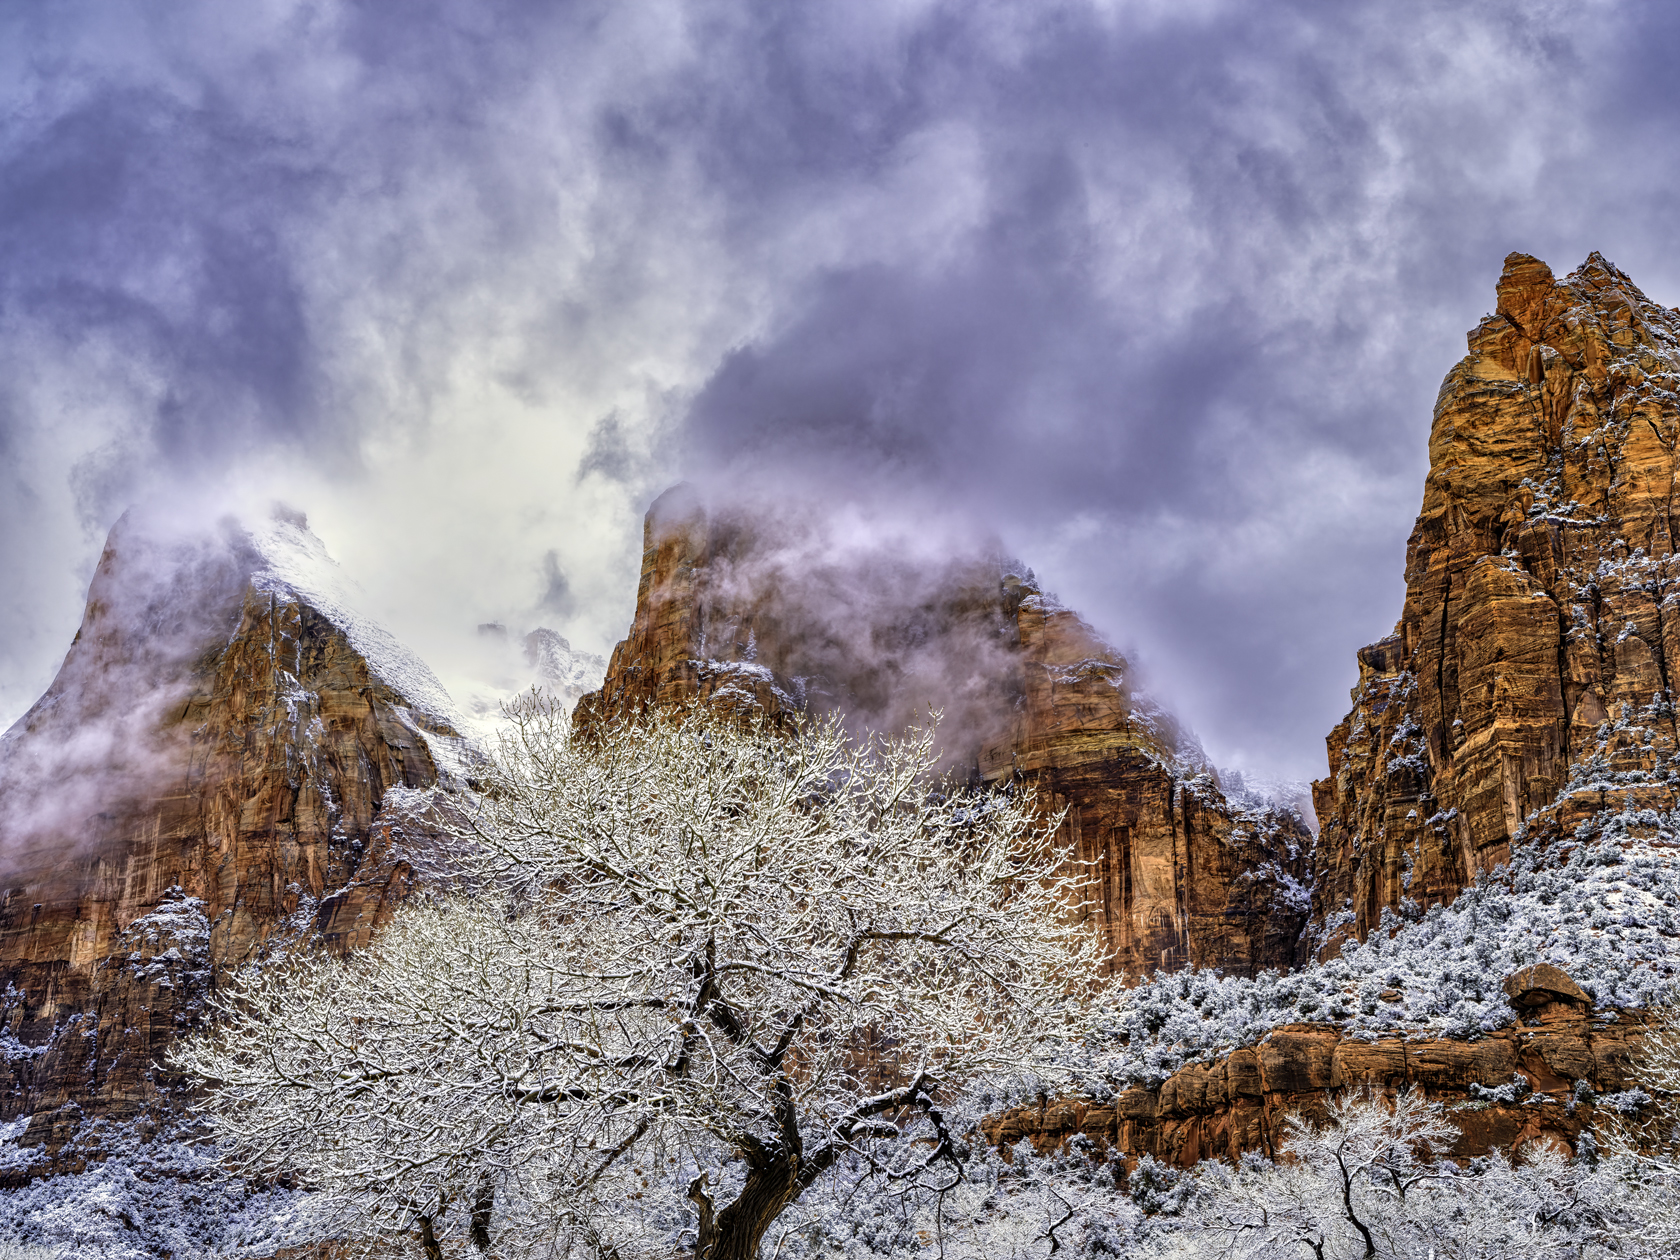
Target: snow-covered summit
(1250,790)
(560,667)
(295,563)
(228,726)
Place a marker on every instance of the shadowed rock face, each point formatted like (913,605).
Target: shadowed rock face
(1529,675)
(767,613)
(208,769)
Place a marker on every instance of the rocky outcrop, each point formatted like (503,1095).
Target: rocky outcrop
(562,670)
(215,764)
(1536,1081)
(773,616)
(1527,686)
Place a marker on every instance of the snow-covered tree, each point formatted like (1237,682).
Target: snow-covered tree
(1636,1137)
(1371,1180)
(1008,1205)
(1332,1192)
(681,954)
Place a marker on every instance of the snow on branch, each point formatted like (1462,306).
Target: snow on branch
(680,944)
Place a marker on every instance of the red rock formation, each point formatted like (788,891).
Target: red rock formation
(1529,672)
(1559,1058)
(1524,692)
(208,769)
(773,616)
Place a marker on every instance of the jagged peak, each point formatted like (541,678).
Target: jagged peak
(165,589)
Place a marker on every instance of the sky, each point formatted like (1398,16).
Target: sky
(1159,294)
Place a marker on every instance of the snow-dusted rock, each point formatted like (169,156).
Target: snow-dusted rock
(1528,685)
(1542,983)
(211,767)
(1540,1081)
(765,610)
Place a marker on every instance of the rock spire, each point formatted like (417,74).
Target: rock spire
(1527,685)
(768,611)
(215,763)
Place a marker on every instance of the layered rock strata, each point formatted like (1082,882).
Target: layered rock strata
(1527,685)
(214,765)
(761,616)
(1535,1081)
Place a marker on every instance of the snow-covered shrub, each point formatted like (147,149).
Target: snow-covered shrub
(1372,1182)
(1607,911)
(1004,1206)
(147,1199)
(1158,1188)
(1512,1091)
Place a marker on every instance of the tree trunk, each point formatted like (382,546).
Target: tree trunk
(736,1232)
(428,1240)
(484,1205)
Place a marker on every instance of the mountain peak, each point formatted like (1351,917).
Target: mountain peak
(775,611)
(225,731)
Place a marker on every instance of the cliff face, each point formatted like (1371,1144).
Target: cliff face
(211,767)
(768,616)
(1527,684)
(1182,874)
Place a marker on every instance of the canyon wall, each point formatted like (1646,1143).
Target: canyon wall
(762,615)
(210,768)
(1526,686)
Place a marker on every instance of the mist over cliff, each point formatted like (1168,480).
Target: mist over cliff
(1152,293)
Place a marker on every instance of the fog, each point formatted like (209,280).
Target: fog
(109,732)
(1156,297)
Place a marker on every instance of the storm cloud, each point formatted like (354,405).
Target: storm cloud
(1158,294)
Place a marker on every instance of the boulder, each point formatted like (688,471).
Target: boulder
(1543,983)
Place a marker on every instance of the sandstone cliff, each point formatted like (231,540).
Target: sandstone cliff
(774,614)
(1526,688)
(212,766)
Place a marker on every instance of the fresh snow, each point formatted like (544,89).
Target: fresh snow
(148,1197)
(1606,911)
(299,567)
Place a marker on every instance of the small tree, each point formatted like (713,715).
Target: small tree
(1333,1193)
(679,945)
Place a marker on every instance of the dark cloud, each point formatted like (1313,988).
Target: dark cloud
(1215,265)
(1160,294)
(153,228)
